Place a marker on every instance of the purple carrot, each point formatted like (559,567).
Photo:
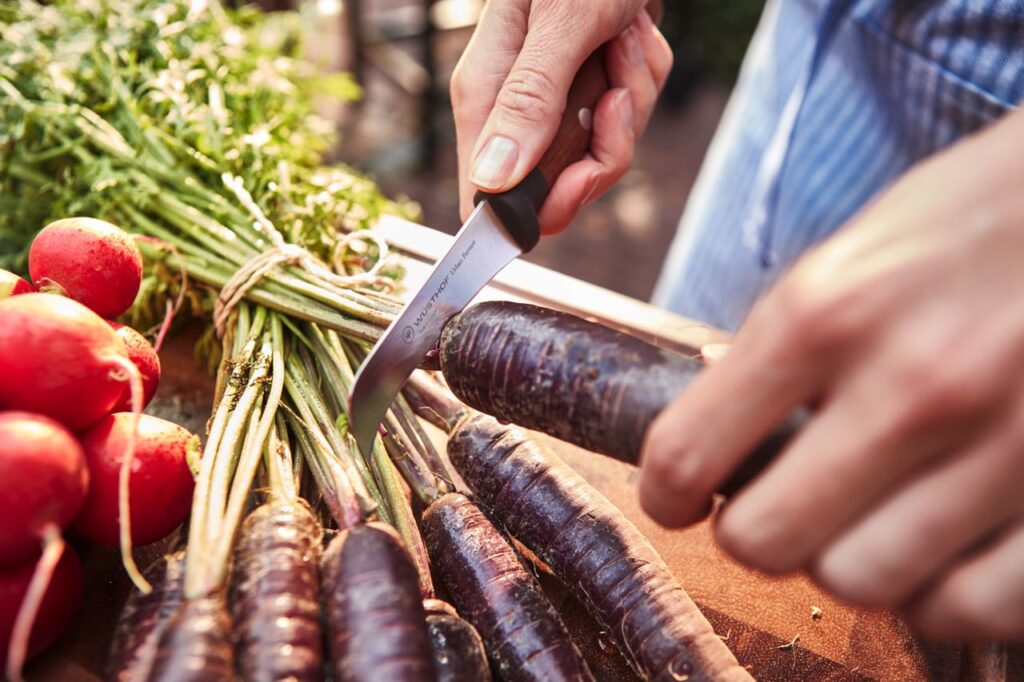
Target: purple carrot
(196,645)
(548,370)
(524,637)
(144,619)
(572,379)
(376,627)
(593,549)
(274,597)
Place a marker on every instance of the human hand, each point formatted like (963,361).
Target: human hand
(906,331)
(509,91)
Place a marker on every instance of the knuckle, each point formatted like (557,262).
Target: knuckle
(1015,439)
(950,393)
(876,579)
(666,466)
(529,96)
(603,19)
(937,389)
(815,321)
(965,607)
(619,165)
(458,88)
(824,313)
(662,62)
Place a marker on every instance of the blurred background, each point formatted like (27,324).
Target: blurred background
(401,132)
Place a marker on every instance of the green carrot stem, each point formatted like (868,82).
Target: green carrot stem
(420,481)
(386,309)
(402,517)
(312,401)
(235,432)
(293,279)
(213,235)
(197,522)
(241,426)
(185,247)
(433,402)
(333,482)
(294,306)
(325,434)
(279,463)
(320,293)
(252,452)
(420,442)
(409,461)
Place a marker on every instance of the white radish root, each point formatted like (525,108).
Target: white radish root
(126,370)
(17,649)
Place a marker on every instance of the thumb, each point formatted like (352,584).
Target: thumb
(528,109)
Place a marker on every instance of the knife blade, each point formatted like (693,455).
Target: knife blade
(501,228)
(481,249)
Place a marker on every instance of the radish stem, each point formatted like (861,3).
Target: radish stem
(127,369)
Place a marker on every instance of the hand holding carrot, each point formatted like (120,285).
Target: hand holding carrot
(509,92)
(906,331)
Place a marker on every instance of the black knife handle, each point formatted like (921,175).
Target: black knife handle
(518,207)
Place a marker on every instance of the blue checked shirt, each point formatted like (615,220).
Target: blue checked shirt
(836,99)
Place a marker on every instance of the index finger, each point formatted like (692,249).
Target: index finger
(477,79)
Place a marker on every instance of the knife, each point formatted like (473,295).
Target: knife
(501,228)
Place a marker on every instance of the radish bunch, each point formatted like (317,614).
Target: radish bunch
(74,448)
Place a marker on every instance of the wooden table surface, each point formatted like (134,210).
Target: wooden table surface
(766,621)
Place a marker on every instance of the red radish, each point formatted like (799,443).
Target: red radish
(142,353)
(58,603)
(89,260)
(45,482)
(59,359)
(12,285)
(160,480)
